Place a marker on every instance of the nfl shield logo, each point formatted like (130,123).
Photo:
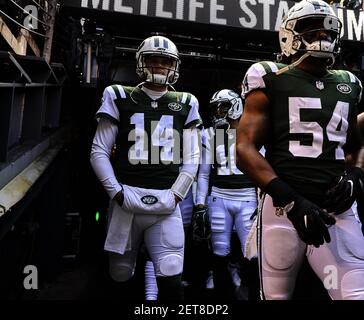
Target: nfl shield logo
(320,85)
(154,104)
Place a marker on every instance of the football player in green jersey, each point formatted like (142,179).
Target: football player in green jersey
(149,125)
(232,199)
(305,115)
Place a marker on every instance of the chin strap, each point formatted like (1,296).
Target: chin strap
(296,63)
(292,65)
(332,63)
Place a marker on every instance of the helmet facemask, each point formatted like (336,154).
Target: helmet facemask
(148,74)
(225,105)
(158,46)
(306,39)
(219,114)
(304,22)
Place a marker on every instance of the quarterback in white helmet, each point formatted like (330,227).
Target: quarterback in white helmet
(149,125)
(155,49)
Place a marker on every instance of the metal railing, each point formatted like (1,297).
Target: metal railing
(35,17)
(30,95)
(42,18)
(30,86)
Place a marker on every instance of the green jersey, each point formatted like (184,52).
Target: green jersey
(309,118)
(150,134)
(220,147)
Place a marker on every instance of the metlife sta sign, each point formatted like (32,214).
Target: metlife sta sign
(251,14)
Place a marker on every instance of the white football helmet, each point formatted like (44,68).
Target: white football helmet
(291,38)
(225,104)
(158,46)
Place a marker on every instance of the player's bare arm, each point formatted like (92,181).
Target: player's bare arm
(251,134)
(361,125)
(353,143)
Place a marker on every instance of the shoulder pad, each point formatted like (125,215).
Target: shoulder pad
(353,78)
(184,97)
(350,77)
(356,80)
(116,91)
(254,76)
(193,101)
(187,98)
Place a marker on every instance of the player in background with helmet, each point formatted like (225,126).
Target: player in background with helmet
(305,115)
(232,200)
(149,125)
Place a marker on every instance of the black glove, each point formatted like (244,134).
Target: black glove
(308,219)
(347,189)
(201,227)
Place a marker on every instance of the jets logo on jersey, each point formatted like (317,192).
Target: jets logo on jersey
(149,199)
(174,106)
(343,88)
